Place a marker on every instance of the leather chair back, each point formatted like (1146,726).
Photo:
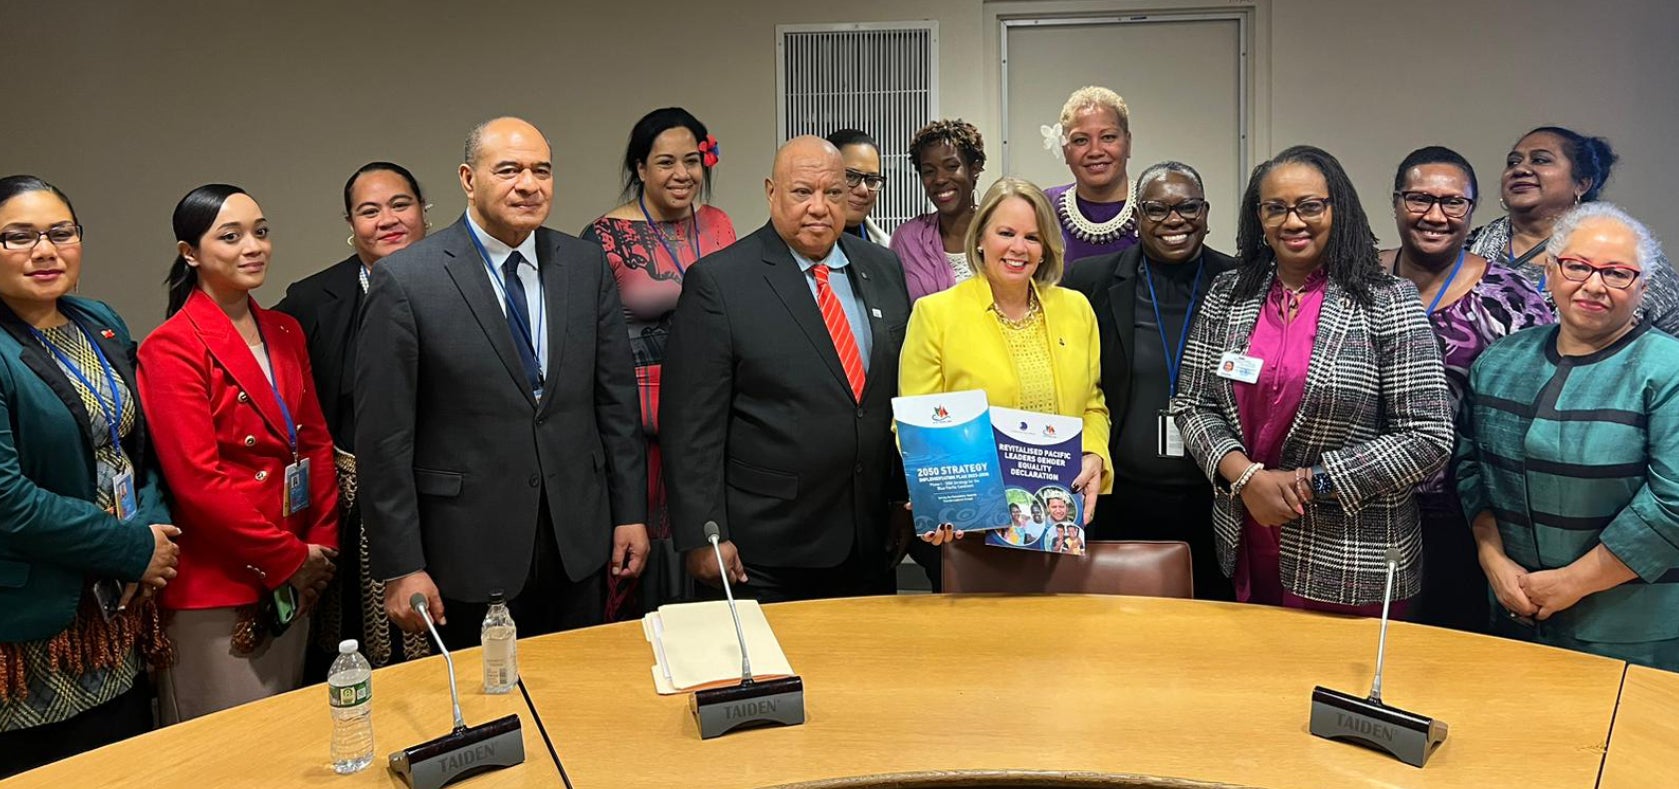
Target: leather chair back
(1142,568)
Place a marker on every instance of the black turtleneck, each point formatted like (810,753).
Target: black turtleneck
(1136,456)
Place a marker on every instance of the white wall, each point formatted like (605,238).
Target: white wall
(138,102)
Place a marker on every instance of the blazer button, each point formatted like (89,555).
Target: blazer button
(262,475)
(859,413)
(535,480)
(858,468)
(250,441)
(244,398)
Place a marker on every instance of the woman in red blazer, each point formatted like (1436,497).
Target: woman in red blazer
(239,434)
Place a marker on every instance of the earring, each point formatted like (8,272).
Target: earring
(351,240)
(428,223)
(1503,205)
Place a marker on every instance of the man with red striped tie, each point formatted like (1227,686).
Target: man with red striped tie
(776,401)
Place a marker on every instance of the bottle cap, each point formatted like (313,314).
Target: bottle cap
(346,646)
(498,597)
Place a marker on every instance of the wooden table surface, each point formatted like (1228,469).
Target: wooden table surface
(1195,690)
(1644,749)
(913,684)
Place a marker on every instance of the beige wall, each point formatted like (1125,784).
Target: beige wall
(137,102)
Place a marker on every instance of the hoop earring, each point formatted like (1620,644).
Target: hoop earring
(1503,205)
(350,240)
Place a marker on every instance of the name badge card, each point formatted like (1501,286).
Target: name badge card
(127,501)
(1168,441)
(1239,367)
(297,487)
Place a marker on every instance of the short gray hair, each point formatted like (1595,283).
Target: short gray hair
(1649,249)
(1162,169)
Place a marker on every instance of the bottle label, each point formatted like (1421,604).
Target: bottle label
(350,695)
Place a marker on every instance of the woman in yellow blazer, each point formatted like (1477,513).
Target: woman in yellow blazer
(1029,343)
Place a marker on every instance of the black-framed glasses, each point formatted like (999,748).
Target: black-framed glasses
(59,235)
(1617,277)
(855,177)
(1275,212)
(1453,206)
(1157,211)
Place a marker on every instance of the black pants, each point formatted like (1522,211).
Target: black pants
(859,575)
(1140,511)
(549,603)
(1454,587)
(118,719)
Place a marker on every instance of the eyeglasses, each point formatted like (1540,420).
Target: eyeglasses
(373,210)
(1157,211)
(855,177)
(60,236)
(1453,206)
(1309,210)
(1617,277)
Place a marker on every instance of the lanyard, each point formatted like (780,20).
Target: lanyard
(1517,263)
(535,344)
(274,386)
(1174,363)
(693,229)
(113,414)
(1444,286)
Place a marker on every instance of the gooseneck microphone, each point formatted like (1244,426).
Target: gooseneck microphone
(418,603)
(712,536)
(1382,642)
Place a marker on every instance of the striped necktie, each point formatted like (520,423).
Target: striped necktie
(840,330)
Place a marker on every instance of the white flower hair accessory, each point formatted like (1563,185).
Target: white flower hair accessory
(1054,139)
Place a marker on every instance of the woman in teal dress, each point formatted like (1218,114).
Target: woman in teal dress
(1568,456)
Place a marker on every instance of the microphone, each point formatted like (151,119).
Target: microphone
(467,750)
(775,702)
(1407,736)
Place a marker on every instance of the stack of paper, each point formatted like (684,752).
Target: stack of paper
(694,646)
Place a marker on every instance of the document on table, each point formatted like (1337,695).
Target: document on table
(694,646)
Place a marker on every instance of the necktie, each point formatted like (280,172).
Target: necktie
(845,343)
(519,320)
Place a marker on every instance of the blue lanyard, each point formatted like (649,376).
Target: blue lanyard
(533,343)
(274,386)
(113,416)
(694,230)
(1444,286)
(1174,363)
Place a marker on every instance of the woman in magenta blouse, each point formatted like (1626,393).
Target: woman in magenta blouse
(1313,395)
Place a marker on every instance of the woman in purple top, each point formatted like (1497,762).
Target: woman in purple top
(1471,303)
(949,155)
(1094,135)
(1313,395)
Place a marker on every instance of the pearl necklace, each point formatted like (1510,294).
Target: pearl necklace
(1092,232)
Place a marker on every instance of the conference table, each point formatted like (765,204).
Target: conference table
(972,690)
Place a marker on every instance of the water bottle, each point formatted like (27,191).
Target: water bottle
(350,692)
(501,649)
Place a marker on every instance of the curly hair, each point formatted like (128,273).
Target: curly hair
(1096,97)
(959,133)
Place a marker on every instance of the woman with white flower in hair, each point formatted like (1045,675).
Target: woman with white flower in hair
(1093,136)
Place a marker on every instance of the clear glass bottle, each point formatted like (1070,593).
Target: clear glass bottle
(501,647)
(350,694)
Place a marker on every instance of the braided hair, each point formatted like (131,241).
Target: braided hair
(1349,257)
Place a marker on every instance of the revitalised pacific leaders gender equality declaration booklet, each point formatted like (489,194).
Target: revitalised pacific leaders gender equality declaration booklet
(1041,455)
(950,461)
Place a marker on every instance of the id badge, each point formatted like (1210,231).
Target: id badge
(297,487)
(127,501)
(1239,367)
(1168,441)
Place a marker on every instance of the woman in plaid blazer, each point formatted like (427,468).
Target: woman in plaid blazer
(1314,396)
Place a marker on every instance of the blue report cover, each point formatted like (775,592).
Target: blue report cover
(1041,455)
(950,461)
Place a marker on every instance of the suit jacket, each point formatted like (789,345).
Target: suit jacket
(54,535)
(224,447)
(455,455)
(1375,414)
(955,344)
(327,305)
(1110,283)
(761,432)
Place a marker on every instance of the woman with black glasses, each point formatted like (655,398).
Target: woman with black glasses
(1566,456)
(1471,302)
(863,180)
(1313,395)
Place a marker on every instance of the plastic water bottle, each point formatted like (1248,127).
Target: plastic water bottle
(501,647)
(350,691)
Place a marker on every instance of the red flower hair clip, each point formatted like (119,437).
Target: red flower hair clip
(711,150)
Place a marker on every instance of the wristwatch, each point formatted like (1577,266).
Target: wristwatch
(1322,486)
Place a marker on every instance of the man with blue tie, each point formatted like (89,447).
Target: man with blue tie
(498,434)
(776,401)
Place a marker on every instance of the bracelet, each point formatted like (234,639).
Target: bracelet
(1242,481)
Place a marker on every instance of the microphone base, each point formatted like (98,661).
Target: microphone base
(1406,736)
(461,754)
(776,702)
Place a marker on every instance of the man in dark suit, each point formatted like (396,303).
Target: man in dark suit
(776,404)
(497,426)
(1145,300)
